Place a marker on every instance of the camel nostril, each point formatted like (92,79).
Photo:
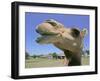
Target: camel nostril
(52,22)
(75,32)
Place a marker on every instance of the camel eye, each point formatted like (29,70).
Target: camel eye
(75,32)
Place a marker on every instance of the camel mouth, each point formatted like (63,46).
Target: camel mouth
(44,35)
(45,31)
(39,39)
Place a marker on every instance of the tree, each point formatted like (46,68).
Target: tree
(27,55)
(34,56)
(87,51)
(54,55)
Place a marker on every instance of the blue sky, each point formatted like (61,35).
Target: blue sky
(68,20)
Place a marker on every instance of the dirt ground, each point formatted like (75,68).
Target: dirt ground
(44,62)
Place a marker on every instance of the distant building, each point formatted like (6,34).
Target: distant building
(47,56)
(61,56)
(85,53)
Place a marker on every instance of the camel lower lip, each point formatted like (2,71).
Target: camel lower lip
(39,39)
(44,37)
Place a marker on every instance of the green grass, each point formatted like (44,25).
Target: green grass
(85,60)
(44,62)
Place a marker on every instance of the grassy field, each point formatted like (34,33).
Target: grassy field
(44,62)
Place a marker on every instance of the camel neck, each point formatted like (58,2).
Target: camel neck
(74,59)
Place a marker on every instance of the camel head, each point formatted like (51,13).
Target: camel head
(69,40)
(64,38)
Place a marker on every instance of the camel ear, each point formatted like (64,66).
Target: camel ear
(84,32)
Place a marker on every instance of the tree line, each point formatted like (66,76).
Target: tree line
(27,55)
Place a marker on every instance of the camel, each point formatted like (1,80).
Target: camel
(69,40)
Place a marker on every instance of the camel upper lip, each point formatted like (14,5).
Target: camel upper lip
(46,33)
